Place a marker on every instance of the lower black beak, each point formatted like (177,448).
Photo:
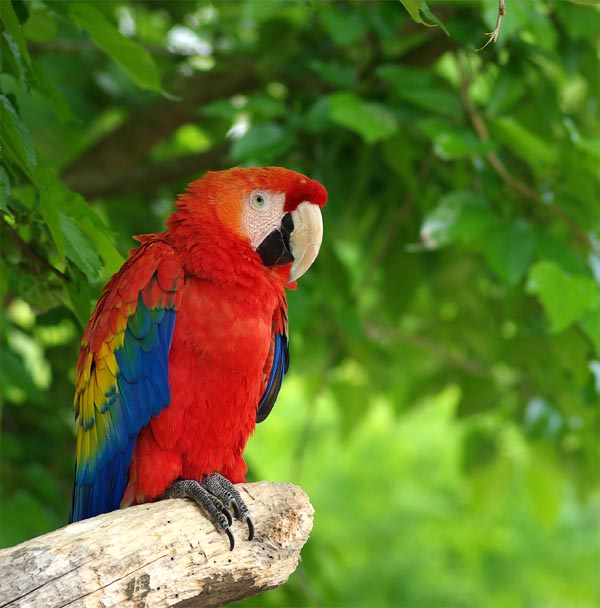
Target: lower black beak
(275,249)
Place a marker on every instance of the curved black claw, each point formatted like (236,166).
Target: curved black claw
(212,505)
(250,527)
(227,515)
(236,508)
(218,497)
(231,539)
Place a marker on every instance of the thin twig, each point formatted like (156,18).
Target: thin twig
(493,36)
(498,166)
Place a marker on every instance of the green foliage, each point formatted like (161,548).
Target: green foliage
(442,408)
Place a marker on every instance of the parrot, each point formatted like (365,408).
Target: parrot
(187,346)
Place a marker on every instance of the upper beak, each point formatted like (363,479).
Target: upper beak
(306,238)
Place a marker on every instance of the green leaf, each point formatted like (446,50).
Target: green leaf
(261,142)
(433,18)
(79,248)
(565,297)
(57,200)
(372,121)
(508,89)
(421,88)
(524,143)
(135,61)
(451,142)
(416,7)
(460,216)
(30,72)
(336,73)
(344,27)
(590,323)
(80,299)
(455,144)
(4,191)
(51,196)
(59,104)
(18,146)
(508,249)
(40,27)
(14,29)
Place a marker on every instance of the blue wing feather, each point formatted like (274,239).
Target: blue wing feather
(138,391)
(279,367)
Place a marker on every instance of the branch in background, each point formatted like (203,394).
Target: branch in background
(128,145)
(493,36)
(498,166)
(161,554)
(77,46)
(147,177)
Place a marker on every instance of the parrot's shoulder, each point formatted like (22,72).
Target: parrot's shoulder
(152,277)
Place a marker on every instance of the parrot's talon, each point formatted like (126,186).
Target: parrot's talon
(227,514)
(231,539)
(236,509)
(250,527)
(218,497)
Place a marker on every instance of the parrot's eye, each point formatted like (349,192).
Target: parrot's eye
(259,200)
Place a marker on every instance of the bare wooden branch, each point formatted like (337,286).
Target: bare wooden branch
(160,554)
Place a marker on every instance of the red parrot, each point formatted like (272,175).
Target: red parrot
(188,345)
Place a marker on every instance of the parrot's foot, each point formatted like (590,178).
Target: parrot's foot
(218,497)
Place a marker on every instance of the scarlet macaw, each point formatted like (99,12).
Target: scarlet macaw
(188,345)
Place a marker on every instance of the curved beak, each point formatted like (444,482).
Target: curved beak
(306,238)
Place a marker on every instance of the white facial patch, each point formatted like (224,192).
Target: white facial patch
(262,214)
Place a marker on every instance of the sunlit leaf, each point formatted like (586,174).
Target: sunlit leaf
(14,30)
(371,120)
(39,27)
(460,216)
(524,143)
(260,142)
(416,7)
(590,322)
(344,27)
(80,249)
(565,297)
(18,146)
(509,248)
(131,57)
(420,88)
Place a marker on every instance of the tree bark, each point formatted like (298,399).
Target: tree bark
(122,149)
(160,554)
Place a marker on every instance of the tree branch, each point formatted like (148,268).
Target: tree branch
(503,173)
(160,554)
(122,149)
(146,177)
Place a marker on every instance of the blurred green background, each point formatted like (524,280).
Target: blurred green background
(442,408)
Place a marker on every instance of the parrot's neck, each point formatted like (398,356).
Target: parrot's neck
(209,252)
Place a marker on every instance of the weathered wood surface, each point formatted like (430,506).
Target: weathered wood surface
(161,554)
